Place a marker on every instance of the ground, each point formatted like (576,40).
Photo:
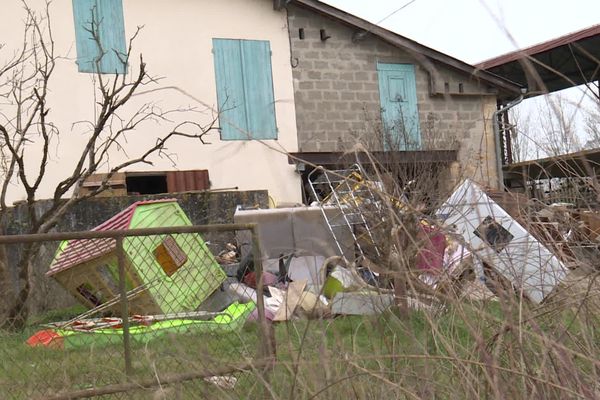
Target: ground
(440,354)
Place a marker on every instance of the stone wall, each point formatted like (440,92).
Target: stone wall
(202,208)
(338,103)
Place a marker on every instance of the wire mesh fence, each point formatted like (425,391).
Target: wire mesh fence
(149,313)
(489,297)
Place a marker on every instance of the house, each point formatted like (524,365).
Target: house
(355,81)
(178,271)
(207,55)
(295,77)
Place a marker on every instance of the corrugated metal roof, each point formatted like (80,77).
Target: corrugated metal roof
(83,250)
(187,181)
(557,64)
(540,47)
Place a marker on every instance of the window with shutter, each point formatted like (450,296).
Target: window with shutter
(100,36)
(245,89)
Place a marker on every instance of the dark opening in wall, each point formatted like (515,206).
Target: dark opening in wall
(155,182)
(147,184)
(301,33)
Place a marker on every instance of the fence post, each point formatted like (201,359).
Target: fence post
(124,306)
(267,342)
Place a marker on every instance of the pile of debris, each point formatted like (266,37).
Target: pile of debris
(337,256)
(343,255)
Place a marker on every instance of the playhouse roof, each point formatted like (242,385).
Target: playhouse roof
(82,250)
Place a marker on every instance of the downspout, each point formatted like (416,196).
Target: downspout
(497,136)
(279,4)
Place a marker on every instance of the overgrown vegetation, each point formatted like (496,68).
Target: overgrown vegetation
(451,347)
(467,350)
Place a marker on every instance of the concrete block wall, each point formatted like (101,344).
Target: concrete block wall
(338,103)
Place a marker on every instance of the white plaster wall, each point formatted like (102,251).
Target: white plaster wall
(176,43)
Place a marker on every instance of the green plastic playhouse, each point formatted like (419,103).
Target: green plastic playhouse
(165,273)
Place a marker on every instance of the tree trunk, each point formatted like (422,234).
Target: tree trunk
(18,309)
(6,287)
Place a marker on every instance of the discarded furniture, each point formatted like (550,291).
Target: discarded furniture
(298,230)
(501,242)
(364,302)
(165,273)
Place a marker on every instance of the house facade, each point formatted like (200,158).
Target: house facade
(280,77)
(206,58)
(356,82)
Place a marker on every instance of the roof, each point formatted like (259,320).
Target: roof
(579,164)
(566,61)
(408,44)
(82,250)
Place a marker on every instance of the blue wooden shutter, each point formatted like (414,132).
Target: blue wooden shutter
(112,36)
(399,112)
(244,89)
(108,19)
(87,49)
(258,88)
(230,89)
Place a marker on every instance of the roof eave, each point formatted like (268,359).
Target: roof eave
(408,44)
(540,47)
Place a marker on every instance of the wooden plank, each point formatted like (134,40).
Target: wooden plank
(290,301)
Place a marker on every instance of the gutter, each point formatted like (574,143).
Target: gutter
(496,124)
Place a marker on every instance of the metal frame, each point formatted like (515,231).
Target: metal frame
(346,196)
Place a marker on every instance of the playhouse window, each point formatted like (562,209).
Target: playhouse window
(86,291)
(170,256)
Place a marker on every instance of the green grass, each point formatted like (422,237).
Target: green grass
(439,355)
(30,372)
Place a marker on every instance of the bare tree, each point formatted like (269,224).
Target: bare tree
(557,124)
(522,144)
(592,125)
(27,135)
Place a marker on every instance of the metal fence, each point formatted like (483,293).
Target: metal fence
(150,315)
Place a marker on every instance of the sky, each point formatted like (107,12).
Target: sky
(476,30)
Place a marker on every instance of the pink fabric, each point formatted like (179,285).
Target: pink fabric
(269,279)
(431,256)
